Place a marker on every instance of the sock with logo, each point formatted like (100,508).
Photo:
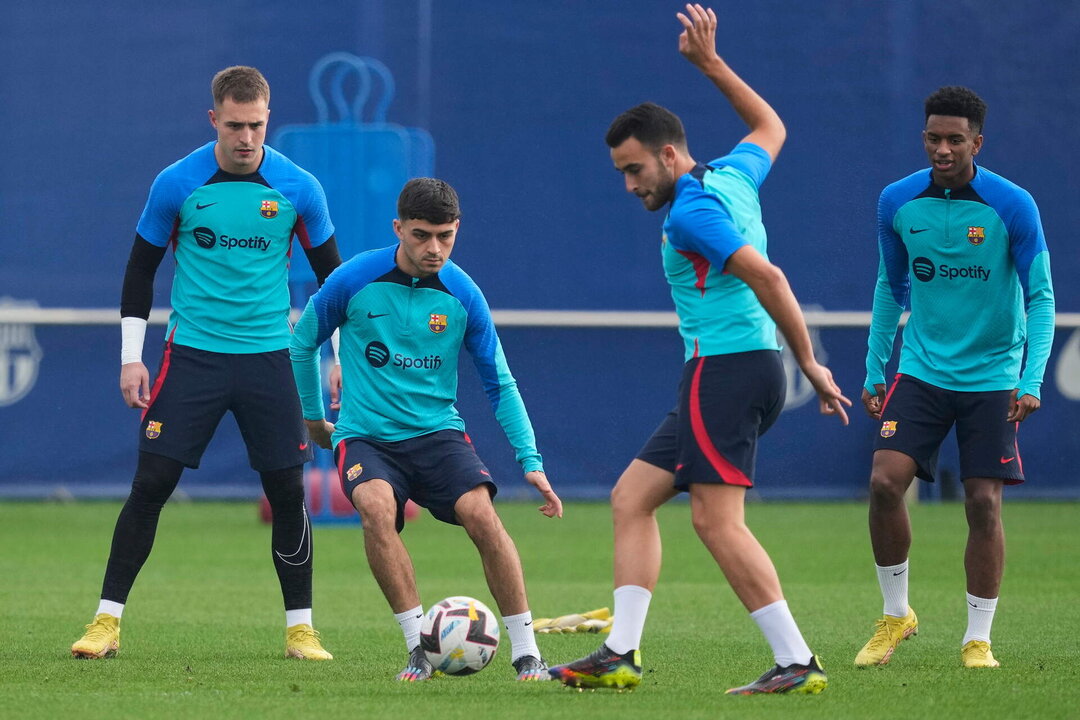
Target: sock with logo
(782,634)
(522,637)
(155,478)
(893,580)
(631,609)
(410,622)
(980,618)
(290,540)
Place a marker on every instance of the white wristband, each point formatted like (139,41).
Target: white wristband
(335,343)
(132,333)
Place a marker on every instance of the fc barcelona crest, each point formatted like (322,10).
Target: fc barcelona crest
(976,234)
(437,323)
(354,472)
(269,209)
(888,428)
(153,429)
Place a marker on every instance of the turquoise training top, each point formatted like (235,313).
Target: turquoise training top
(399,345)
(981,287)
(715,211)
(232,237)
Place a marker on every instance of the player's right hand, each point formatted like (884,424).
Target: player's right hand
(874,403)
(697,42)
(830,400)
(135,384)
(320,432)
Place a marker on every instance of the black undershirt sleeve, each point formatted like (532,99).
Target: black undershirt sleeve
(324,259)
(138,294)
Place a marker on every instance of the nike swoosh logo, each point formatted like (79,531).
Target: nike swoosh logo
(419,616)
(1005,461)
(528,623)
(199,206)
(913,231)
(303,446)
(973,605)
(288,559)
(370,316)
(899,573)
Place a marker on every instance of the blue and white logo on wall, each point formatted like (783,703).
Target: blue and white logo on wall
(20,356)
(1067,372)
(799,389)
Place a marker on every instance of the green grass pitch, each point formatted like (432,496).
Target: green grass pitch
(203,635)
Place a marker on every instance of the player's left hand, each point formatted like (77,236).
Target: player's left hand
(335,387)
(320,432)
(830,400)
(697,42)
(553,506)
(1020,409)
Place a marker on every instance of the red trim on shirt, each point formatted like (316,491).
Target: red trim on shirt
(701,268)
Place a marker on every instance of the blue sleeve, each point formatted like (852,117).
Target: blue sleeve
(750,159)
(326,311)
(159,216)
(1027,244)
(890,293)
(483,345)
(703,225)
(313,225)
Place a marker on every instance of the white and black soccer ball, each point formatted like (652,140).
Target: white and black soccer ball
(459,635)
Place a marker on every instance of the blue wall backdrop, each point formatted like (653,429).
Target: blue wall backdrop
(98,98)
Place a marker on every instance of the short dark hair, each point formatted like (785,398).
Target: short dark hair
(241,83)
(957,101)
(428,199)
(651,124)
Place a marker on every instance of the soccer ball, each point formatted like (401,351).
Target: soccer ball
(459,635)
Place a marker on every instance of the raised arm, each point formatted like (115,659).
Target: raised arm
(697,43)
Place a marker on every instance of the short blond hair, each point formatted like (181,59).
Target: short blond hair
(241,83)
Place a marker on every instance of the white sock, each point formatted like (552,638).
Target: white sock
(297,617)
(410,622)
(522,637)
(111,608)
(980,618)
(783,634)
(631,607)
(893,580)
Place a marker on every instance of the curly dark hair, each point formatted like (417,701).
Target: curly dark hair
(653,126)
(957,101)
(428,199)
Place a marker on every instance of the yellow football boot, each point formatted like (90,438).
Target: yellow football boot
(302,641)
(976,654)
(101,639)
(890,631)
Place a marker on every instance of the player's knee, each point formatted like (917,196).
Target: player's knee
(477,515)
(376,505)
(625,500)
(886,488)
(982,506)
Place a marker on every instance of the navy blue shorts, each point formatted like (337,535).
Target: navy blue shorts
(725,403)
(917,416)
(193,390)
(432,470)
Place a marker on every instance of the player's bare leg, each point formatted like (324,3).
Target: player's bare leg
(890,536)
(719,519)
(641,489)
(386,554)
(984,561)
(502,568)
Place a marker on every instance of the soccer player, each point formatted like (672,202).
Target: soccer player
(229,210)
(730,300)
(981,291)
(404,313)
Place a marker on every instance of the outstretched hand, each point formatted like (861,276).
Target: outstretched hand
(830,400)
(553,506)
(697,42)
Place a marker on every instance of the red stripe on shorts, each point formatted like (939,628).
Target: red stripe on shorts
(888,395)
(161,375)
(727,472)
